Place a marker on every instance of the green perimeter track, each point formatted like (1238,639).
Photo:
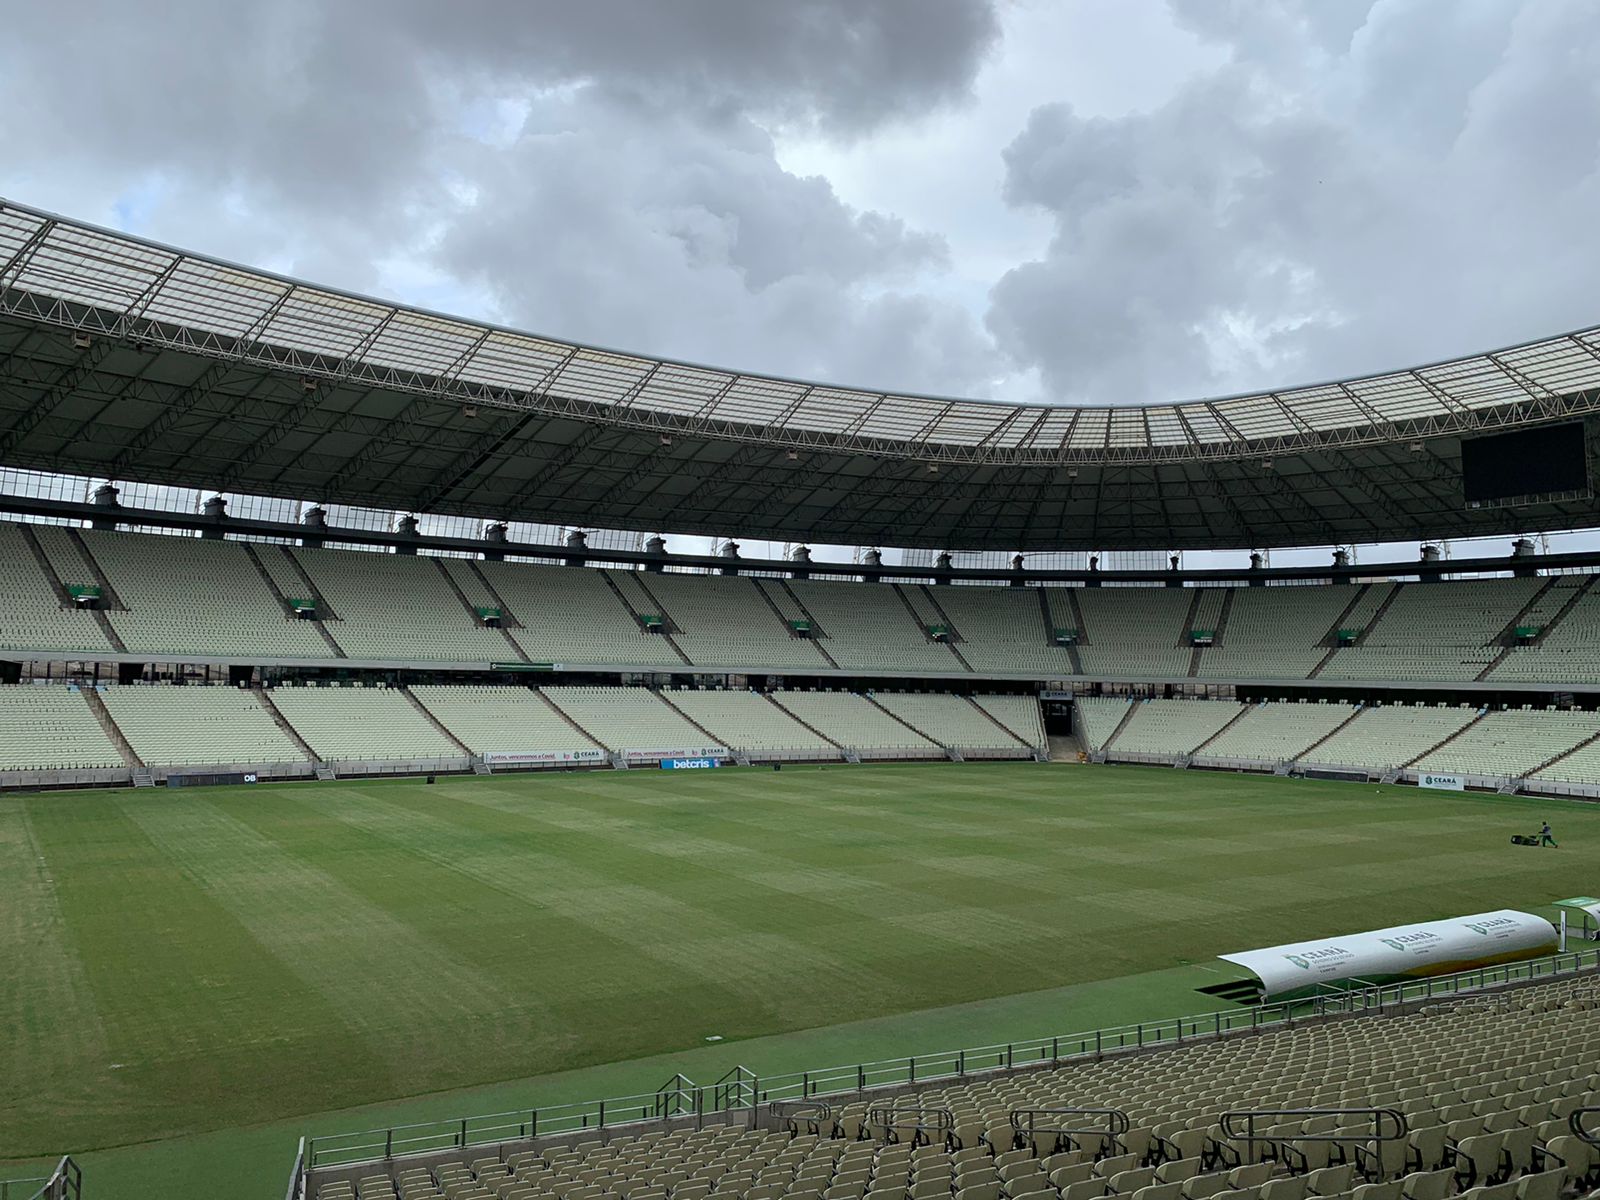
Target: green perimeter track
(215,962)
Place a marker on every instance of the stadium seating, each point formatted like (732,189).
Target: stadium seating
(1512,743)
(1020,714)
(951,721)
(182,726)
(500,719)
(1135,632)
(626,718)
(51,728)
(725,621)
(857,723)
(198,597)
(1278,732)
(1097,717)
(1002,629)
(869,628)
(353,723)
(570,615)
(1484,1085)
(1570,651)
(1436,631)
(1387,736)
(1275,632)
(1173,727)
(398,606)
(749,722)
(31,614)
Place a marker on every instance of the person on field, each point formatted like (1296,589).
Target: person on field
(1544,836)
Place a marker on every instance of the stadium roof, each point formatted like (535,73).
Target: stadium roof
(131,360)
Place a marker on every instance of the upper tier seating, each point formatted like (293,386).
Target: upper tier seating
(193,596)
(1274,632)
(348,723)
(1020,714)
(1097,717)
(31,615)
(1173,727)
(183,726)
(854,721)
(626,718)
(1278,732)
(725,621)
(398,606)
(749,721)
(1484,1084)
(1436,631)
(1570,651)
(950,721)
(869,628)
(571,615)
(1135,632)
(51,728)
(500,719)
(1512,742)
(1001,629)
(1387,736)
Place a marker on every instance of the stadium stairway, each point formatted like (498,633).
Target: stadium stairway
(818,633)
(437,724)
(282,722)
(298,576)
(631,589)
(1121,725)
(1244,710)
(1445,741)
(1506,638)
(1334,732)
(949,751)
(712,739)
(1001,725)
(124,747)
(1573,599)
(848,754)
(46,567)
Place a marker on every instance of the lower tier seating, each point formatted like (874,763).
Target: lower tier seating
(1484,1085)
(185,726)
(951,721)
(500,719)
(856,722)
(51,728)
(346,723)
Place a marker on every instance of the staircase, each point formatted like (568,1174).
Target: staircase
(270,583)
(507,617)
(1444,741)
(1222,617)
(282,722)
(1555,758)
(1077,617)
(902,721)
(103,619)
(1121,725)
(1331,638)
(480,766)
(1360,708)
(1378,616)
(1510,631)
(954,635)
(806,613)
(667,623)
(1506,639)
(711,738)
(97,706)
(998,723)
(1063,747)
(144,777)
(435,722)
(325,611)
(324,772)
(951,634)
(805,724)
(1244,710)
(472,609)
(576,728)
(108,594)
(46,568)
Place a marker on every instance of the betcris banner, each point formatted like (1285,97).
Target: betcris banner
(688,764)
(1447,783)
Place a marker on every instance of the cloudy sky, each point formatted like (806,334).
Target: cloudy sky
(1105,200)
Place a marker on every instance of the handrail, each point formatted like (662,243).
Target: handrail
(65,1182)
(894,1117)
(1115,1124)
(1378,1115)
(800,1110)
(1575,1121)
(741,1089)
(298,1174)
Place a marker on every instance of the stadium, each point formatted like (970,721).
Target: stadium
(350,847)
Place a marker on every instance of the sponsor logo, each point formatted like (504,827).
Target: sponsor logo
(687,764)
(1410,941)
(1307,959)
(1485,928)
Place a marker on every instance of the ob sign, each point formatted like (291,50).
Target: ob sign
(687,764)
(1447,783)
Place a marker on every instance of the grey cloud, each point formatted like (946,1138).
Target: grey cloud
(1331,200)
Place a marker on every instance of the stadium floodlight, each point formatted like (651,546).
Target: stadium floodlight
(666,439)
(81,340)
(469,411)
(307,383)
(793,456)
(1266,464)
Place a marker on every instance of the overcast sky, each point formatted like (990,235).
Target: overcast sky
(1084,200)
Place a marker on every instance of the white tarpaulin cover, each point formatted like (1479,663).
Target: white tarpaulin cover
(1429,948)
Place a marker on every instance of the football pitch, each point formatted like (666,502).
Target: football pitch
(185,961)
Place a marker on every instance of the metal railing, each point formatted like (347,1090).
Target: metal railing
(1112,1123)
(1388,1125)
(63,1183)
(1592,1136)
(742,1090)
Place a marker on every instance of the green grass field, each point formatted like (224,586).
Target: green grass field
(235,959)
